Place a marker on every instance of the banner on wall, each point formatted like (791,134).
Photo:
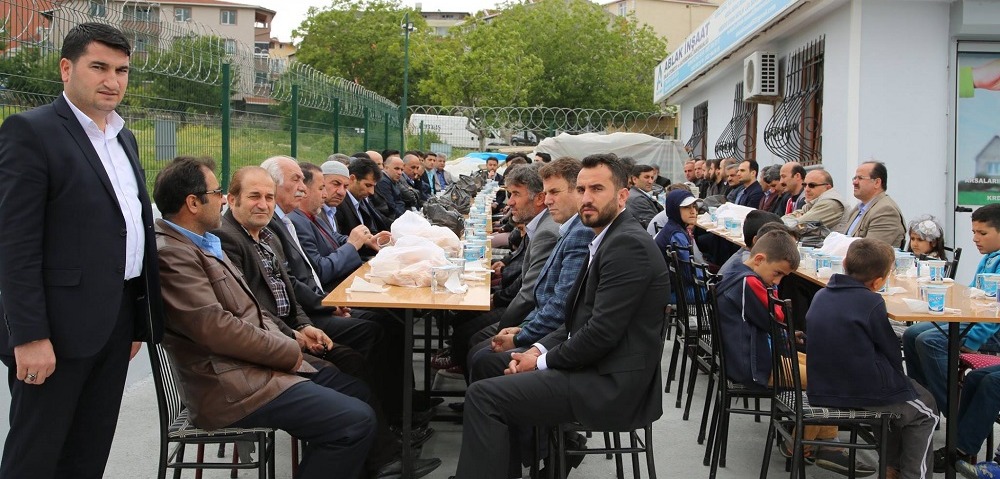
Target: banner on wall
(726,29)
(977,130)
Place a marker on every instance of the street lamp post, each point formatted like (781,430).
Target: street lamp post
(407,27)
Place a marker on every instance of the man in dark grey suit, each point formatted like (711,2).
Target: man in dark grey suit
(642,206)
(602,367)
(77,263)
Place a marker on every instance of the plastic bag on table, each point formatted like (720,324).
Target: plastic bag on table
(459,197)
(437,214)
(408,262)
(412,224)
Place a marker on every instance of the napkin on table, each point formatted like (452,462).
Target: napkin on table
(361,286)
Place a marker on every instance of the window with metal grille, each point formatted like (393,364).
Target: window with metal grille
(695,146)
(739,138)
(795,132)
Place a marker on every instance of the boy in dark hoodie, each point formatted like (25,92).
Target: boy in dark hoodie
(848,315)
(744,320)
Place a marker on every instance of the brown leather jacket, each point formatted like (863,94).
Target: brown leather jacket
(230,360)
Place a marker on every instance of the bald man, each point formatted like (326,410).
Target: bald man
(376,157)
(388,198)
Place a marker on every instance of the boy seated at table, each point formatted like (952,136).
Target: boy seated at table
(848,315)
(744,322)
(925,347)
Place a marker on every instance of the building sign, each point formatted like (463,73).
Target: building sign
(727,28)
(977,130)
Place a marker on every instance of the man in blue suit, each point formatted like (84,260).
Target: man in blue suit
(334,256)
(78,265)
(556,279)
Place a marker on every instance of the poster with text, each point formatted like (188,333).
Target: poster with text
(977,131)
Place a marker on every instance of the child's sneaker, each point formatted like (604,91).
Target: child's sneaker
(983,470)
(839,460)
(786,451)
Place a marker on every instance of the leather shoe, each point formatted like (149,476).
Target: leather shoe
(421,468)
(417,436)
(420,436)
(418,420)
(422,401)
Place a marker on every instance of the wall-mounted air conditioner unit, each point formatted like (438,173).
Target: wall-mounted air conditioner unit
(761,82)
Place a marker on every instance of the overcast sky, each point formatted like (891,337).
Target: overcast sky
(292,12)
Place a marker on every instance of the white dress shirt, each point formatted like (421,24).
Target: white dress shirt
(123,181)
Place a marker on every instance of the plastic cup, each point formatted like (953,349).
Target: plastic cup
(936,269)
(471,252)
(936,298)
(439,276)
(837,264)
(990,284)
(904,263)
(711,212)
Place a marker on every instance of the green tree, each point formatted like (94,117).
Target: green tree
(362,41)
(589,58)
(482,66)
(30,76)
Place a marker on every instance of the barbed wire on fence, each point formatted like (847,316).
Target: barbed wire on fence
(41,25)
(485,126)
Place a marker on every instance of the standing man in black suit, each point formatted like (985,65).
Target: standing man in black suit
(77,264)
(602,367)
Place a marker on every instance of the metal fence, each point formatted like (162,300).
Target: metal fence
(194,92)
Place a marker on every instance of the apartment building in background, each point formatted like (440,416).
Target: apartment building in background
(673,20)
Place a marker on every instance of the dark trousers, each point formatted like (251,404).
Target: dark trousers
(64,427)
(495,406)
(360,334)
(330,415)
(465,332)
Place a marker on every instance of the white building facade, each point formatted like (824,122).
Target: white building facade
(887,80)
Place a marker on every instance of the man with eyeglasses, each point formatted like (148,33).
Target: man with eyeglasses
(877,215)
(822,203)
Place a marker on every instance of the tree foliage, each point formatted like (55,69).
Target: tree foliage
(570,53)
(32,73)
(362,41)
(480,66)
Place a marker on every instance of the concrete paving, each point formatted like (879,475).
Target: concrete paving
(677,454)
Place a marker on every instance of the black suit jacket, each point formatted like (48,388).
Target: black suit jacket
(241,251)
(309,294)
(751,196)
(388,198)
(62,237)
(615,325)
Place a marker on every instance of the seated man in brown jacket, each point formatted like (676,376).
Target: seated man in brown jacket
(235,368)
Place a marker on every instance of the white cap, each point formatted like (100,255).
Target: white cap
(335,168)
(688,201)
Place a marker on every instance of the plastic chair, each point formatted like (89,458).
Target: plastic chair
(725,393)
(176,428)
(790,407)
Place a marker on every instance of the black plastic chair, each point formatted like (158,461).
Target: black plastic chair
(951,268)
(686,337)
(176,428)
(703,354)
(726,393)
(637,445)
(790,408)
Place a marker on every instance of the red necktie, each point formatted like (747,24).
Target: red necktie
(330,240)
(790,206)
